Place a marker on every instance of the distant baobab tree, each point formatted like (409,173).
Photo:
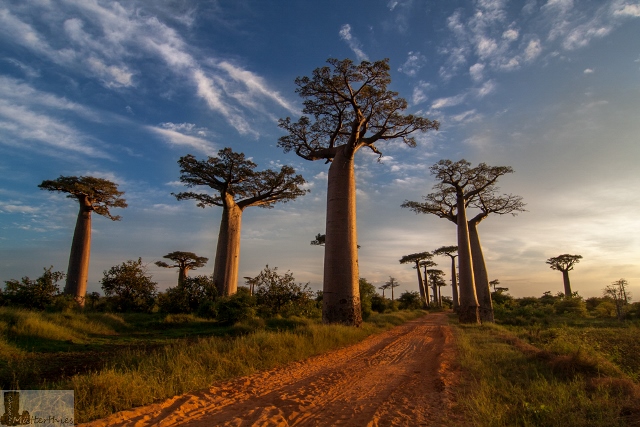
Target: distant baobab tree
(459,185)
(384,288)
(184,262)
(347,107)
(436,278)
(392,283)
(618,292)
(94,195)
(425,264)
(564,263)
(415,259)
(238,186)
(451,252)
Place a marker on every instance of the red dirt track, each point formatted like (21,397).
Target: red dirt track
(402,377)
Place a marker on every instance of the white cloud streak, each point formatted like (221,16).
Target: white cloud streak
(352,42)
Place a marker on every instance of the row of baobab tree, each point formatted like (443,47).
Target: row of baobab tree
(347,107)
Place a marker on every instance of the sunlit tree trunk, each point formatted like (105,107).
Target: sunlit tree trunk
(421,285)
(567,284)
(426,286)
(78,271)
(183,272)
(341,297)
(225,269)
(454,285)
(468,312)
(483,291)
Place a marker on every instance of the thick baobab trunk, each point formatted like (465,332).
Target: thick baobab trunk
(78,271)
(567,284)
(483,291)
(468,311)
(341,296)
(421,285)
(454,285)
(225,269)
(183,272)
(434,288)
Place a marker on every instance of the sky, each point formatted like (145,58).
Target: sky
(122,90)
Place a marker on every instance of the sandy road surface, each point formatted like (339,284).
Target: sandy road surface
(401,377)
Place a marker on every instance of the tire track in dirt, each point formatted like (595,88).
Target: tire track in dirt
(402,377)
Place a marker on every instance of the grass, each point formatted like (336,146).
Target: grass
(116,362)
(549,376)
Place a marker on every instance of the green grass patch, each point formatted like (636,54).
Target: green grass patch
(540,376)
(115,362)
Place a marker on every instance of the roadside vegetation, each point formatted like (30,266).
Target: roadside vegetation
(551,361)
(129,348)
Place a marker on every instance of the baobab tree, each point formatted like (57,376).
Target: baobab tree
(392,283)
(184,262)
(94,195)
(436,278)
(618,292)
(564,263)
(425,264)
(238,185)
(347,107)
(415,259)
(451,252)
(487,202)
(461,183)
(384,288)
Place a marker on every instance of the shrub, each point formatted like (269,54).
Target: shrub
(188,295)
(235,308)
(574,306)
(367,292)
(409,301)
(280,295)
(35,294)
(129,287)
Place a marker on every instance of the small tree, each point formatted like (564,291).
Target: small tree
(34,294)
(367,293)
(278,294)
(618,292)
(564,263)
(384,288)
(184,262)
(410,301)
(94,195)
(129,287)
(392,283)
(416,259)
(347,107)
(188,296)
(238,185)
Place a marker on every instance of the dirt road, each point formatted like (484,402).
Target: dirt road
(401,377)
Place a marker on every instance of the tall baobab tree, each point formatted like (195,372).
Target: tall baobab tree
(392,283)
(384,288)
(347,107)
(184,262)
(94,195)
(238,185)
(415,259)
(425,264)
(462,183)
(451,252)
(436,278)
(564,263)
(487,202)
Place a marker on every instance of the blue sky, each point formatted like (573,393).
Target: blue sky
(122,90)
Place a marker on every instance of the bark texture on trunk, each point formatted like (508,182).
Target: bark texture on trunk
(468,312)
(421,285)
(78,270)
(341,295)
(454,285)
(480,275)
(567,284)
(225,269)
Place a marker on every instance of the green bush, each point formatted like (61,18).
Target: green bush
(574,306)
(188,296)
(280,295)
(409,301)
(34,294)
(235,308)
(367,292)
(129,288)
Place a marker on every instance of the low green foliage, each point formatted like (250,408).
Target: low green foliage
(549,375)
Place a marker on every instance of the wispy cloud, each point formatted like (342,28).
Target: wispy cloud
(352,42)
(447,102)
(415,61)
(420,92)
(184,134)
